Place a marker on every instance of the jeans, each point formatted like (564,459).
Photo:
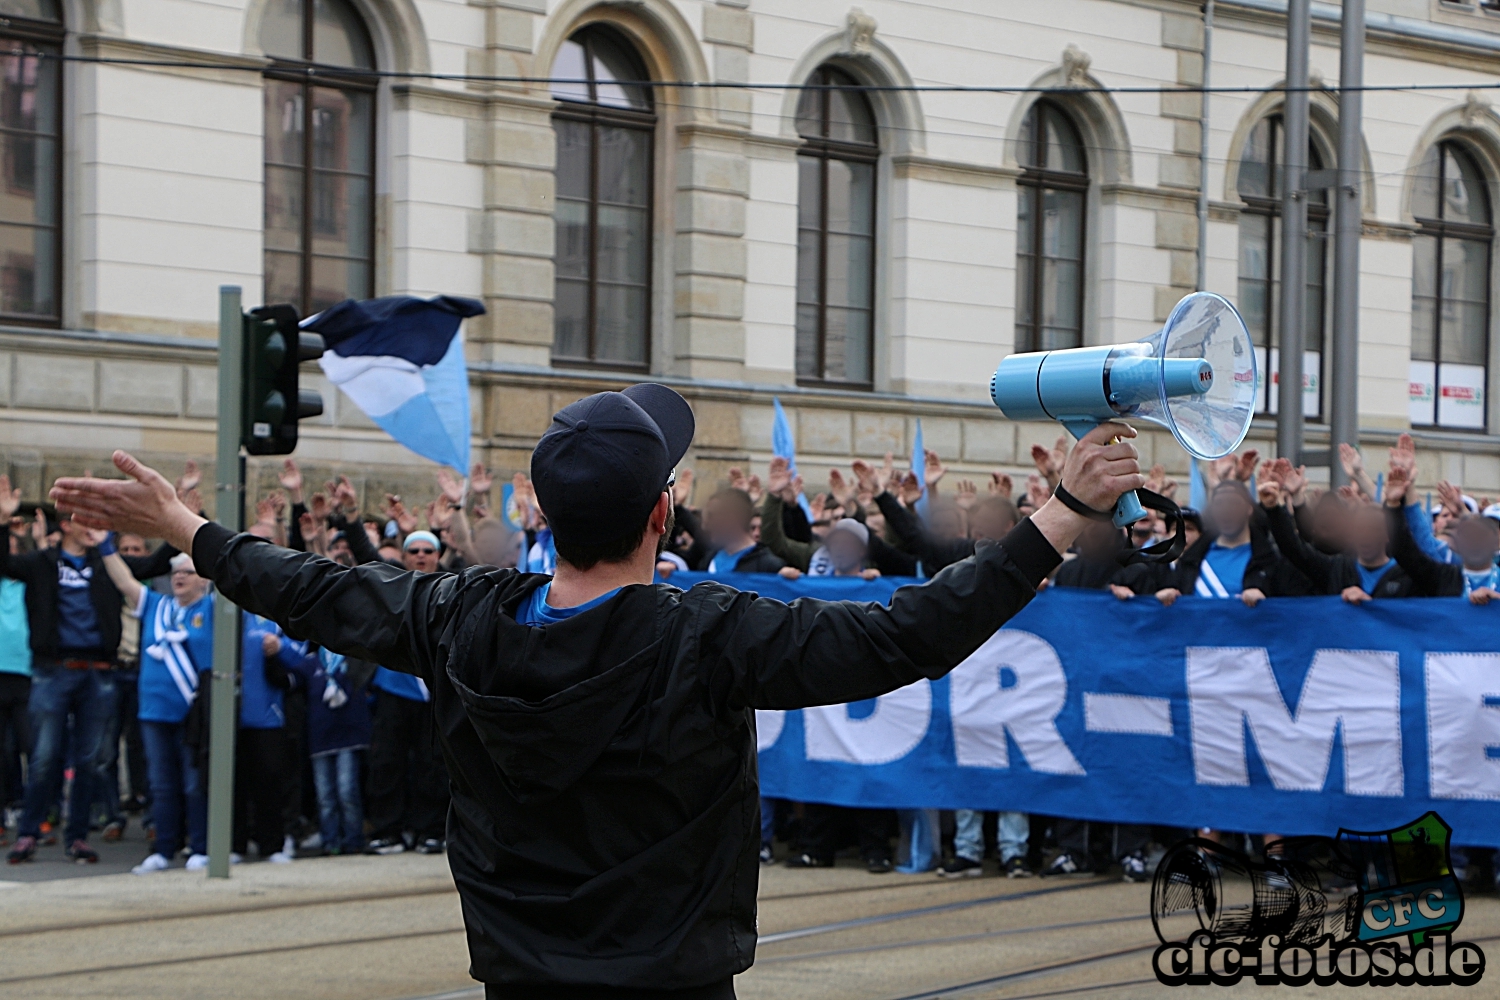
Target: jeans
(767,820)
(89,697)
(341,814)
(107,774)
(968,837)
(175,784)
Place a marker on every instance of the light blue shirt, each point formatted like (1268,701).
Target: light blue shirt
(536,611)
(1222,573)
(725,562)
(15,629)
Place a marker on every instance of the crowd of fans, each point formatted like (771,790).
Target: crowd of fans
(102,642)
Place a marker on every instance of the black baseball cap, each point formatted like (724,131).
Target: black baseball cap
(604,462)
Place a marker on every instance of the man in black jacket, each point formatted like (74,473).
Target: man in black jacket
(598,729)
(73,611)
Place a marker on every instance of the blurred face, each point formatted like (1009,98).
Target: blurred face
(1475,541)
(339,552)
(755,527)
(945,522)
(1229,511)
(1100,541)
(1330,522)
(1368,535)
(846,552)
(421,557)
(131,545)
(725,522)
(491,544)
(187,586)
(988,522)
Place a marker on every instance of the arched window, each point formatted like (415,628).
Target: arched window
(835,233)
(1450,291)
(1260,278)
(320,154)
(30,131)
(606,130)
(1049,231)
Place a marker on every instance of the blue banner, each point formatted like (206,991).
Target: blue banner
(1299,716)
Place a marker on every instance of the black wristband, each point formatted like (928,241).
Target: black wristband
(1077,506)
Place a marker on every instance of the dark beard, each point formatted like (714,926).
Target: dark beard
(666,536)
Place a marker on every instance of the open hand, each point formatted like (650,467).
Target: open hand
(145,504)
(933,468)
(10,499)
(480,480)
(779,480)
(864,475)
(291,480)
(190,478)
(682,490)
(1001,485)
(968,494)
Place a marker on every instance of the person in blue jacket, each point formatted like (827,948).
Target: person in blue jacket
(262,751)
(177,642)
(338,734)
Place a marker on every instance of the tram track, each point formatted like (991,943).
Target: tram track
(177,960)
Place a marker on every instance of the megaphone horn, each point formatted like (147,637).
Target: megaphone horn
(1195,376)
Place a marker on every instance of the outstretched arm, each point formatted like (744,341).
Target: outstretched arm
(375,612)
(767,654)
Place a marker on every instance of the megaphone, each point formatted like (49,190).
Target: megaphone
(1195,376)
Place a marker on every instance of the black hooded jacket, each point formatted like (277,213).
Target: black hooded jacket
(604,826)
(1266,571)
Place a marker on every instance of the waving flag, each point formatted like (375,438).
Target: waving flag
(401,359)
(919,466)
(783,445)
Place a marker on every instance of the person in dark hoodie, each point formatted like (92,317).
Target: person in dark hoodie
(598,728)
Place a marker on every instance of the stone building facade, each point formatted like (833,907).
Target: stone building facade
(866,259)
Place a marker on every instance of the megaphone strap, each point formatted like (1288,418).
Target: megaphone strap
(1169,548)
(1077,506)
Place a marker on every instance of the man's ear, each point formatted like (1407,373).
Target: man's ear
(660,514)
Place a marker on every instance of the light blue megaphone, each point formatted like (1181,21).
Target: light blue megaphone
(1196,377)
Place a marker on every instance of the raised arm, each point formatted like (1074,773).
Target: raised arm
(1432,578)
(124,580)
(767,654)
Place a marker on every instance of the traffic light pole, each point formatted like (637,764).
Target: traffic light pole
(229,510)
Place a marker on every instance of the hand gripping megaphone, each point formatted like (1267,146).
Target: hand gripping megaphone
(1196,377)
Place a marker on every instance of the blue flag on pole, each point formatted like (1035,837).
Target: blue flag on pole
(401,359)
(784,445)
(919,466)
(1197,488)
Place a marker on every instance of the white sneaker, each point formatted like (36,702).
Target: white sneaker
(153,863)
(280,858)
(235,859)
(196,862)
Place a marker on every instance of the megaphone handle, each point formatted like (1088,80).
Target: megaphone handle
(1128,510)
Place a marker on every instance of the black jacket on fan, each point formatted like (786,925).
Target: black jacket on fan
(604,828)
(1333,574)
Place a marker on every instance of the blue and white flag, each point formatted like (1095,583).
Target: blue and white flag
(784,445)
(401,359)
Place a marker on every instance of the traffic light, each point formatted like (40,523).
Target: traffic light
(274,349)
